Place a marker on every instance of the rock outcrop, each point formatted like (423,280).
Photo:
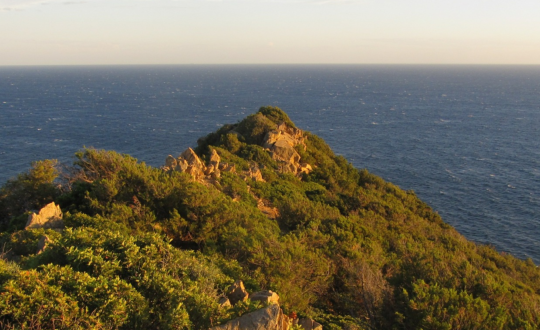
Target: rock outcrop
(254,173)
(237,292)
(304,168)
(187,162)
(49,217)
(309,324)
(213,164)
(226,167)
(281,143)
(267,297)
(223,302)
(268,318)
(190,163)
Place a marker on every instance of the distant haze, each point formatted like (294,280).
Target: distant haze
(74,32)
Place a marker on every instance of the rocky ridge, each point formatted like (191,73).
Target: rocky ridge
(190,163)
(280,143)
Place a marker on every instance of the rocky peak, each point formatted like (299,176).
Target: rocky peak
(281,144)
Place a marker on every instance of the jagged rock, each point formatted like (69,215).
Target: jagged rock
(42,243)
(226,167)
(267,297)
(281,143)
(255,173)
(191,158)
(210,169)
(213,165)
(291,136)
(237,292)
(296,133)
(49,216)
(170,162)
(195,166)
(214,159)
(309,324)
(291,168)
(188,162)
(304,168)
(268,318)
(224,302)
(284,151)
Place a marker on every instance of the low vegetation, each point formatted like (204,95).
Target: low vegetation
(149,249)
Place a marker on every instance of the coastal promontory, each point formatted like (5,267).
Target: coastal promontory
(258,225)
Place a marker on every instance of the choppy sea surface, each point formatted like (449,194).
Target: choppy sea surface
(465,138)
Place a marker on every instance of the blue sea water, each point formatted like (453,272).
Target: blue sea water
(464,138)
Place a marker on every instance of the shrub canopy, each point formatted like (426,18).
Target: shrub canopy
(149,249)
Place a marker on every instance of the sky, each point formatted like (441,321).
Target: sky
(97,32)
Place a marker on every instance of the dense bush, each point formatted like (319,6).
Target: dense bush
(148,249)
(27,192)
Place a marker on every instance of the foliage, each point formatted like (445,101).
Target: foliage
(24,242)
(58,297)
(109,279)
(27,192)
(144,248)
(276,115)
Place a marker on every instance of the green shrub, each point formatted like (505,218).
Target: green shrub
(29,191)
(347,248)
(276,115)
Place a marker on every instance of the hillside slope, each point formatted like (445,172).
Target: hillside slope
(261,201)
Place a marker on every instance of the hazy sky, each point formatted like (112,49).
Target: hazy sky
(269,31)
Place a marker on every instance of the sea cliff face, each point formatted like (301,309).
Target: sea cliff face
(260,201)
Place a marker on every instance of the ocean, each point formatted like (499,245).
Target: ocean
(464,138)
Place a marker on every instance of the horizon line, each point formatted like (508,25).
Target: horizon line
(271,64)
